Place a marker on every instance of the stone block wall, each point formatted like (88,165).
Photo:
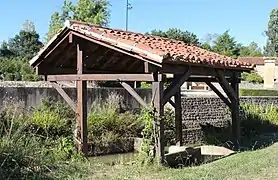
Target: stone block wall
(200,112)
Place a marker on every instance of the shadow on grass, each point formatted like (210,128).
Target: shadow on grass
(257,131)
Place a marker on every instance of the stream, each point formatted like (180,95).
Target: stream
(112,159)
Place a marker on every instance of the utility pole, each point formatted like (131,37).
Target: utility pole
(128,7)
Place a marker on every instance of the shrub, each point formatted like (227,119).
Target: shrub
(252,77)
(257,92)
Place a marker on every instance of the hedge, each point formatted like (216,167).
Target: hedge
(258,92)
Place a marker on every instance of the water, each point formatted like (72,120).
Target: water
(112,159)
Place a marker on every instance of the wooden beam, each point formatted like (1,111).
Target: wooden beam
(64,95)
(226,86)
(133,93)
(103,77)
(178,118)
(172,103)
(157,91)
(82,102)
(235,112)
(219,94)
(146,67)
(175,85)
(58,44)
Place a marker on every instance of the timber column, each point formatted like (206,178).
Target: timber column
(81,104)
(157,92)
(235,111)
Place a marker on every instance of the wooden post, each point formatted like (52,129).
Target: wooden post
(235,112)
(157,91)
(82,103)
(178,118)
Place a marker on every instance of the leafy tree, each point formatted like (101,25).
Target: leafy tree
(177,34)
(271,48)
(4,50)
(226,45)
(54,26)
(91,11)
(25,44)
(251,50)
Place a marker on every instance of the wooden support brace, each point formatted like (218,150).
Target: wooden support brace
(175,85)
(226,86)
(65,96)
(133,93)
(172,103)
(219,94)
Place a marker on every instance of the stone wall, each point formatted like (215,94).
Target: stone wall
(200,112)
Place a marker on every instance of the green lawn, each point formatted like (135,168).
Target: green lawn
(261,164)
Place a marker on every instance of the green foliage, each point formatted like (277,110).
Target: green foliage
(271,48)
(52,120)
(27,154)
(90,11)
(16,69)
(146,85)
(258,92)
(252,50)
(177,34)
(252,77)
(26,43)
(226,45)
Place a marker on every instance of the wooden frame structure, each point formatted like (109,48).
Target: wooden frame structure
(73,56)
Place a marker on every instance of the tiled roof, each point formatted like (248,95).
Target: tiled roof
(254,60)
(155,48)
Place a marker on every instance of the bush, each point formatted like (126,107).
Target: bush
(252,77)
(258,92)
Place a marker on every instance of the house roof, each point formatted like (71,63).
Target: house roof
(254,60)
(157,49)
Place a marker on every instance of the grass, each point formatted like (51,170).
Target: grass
(260,164)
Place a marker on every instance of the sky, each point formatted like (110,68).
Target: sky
(246,19)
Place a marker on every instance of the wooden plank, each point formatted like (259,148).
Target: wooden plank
(226,86)
(178,118)
(65,96)
(103,77)
(172,103)
(82,102)
(58,44)
(219,94)
(133,93)
(157,91)
(175,85)
(235,112)
(146,67)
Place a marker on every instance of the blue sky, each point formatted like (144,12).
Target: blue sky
(246,19)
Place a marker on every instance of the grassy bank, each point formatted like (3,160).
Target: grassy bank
(261,164)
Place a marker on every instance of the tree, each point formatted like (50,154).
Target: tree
(271,48)
(54,26)
(25,44)
(177,34)
(226,45)
(4,50)
(252,50)
(90,11)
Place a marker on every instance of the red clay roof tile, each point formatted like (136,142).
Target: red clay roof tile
(160,46)
(254,60)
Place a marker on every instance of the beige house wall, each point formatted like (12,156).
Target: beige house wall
(260,70)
